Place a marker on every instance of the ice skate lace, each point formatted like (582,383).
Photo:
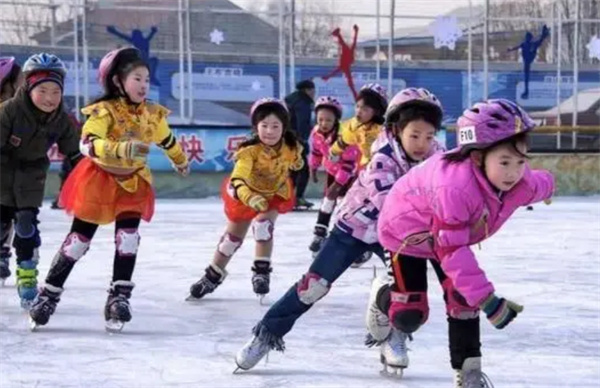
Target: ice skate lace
(46,305)
(398,341)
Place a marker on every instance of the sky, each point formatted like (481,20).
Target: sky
(424,8)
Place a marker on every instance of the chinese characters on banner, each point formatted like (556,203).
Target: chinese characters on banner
(208,150)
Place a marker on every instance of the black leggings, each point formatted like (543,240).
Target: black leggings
(122,266)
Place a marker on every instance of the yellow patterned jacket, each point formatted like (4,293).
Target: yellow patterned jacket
(353,132)
(115,121)
(260,169)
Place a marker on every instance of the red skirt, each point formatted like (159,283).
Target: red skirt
(236,211)
(93,195)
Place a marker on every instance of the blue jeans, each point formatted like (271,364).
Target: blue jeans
(337,254)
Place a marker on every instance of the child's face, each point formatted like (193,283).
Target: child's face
(325,120)
(137,84)
(364,113)
(270,130)
(504,167)
(46,96)
(416,138)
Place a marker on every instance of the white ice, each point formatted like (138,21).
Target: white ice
(547,259)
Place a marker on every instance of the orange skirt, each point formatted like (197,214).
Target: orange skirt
(236,211)
(93,195)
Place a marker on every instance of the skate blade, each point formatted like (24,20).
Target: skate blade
(32,325)
(393,372)
(2,281)
(261,299)
(114,326)
(191,298)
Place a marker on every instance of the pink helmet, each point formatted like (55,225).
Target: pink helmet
(6,65)
(378,90)
(108,61)
(412,96)
(487,123)
(329,102)
(263,102)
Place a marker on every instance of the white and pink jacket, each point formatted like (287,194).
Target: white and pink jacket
(360,209)
(342,170)
(441,208)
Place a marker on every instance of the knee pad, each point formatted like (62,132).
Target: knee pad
(262,230)
(25,226)
(229,244)
(311,288)
(75,246)
(127,241)
(408,310)
(456,305)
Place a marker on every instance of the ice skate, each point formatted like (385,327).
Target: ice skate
(261,280)
(303,205)
(212,278)
(256,349)
(44,306)
(377,321)
(117,311)
(27,282)
(470,376)
(394,354)
(362,259)
(320,234)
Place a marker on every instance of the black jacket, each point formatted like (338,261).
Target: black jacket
(26,135)
(301,106)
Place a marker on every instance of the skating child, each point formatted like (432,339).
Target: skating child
(365,126)
(31,122)
(340,174)
(413,118)
(258,190)
(437,211)
(10,80)
(113,183)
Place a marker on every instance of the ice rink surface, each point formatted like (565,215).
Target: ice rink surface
(547,259)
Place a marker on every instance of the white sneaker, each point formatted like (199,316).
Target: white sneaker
(470,376)
(377,321)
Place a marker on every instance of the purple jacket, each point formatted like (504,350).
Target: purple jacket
(358,212)
(441,208)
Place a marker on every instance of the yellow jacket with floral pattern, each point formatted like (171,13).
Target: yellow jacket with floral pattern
(113,122)
(353,132)
(263,170)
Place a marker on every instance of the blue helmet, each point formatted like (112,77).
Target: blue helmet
(44,62)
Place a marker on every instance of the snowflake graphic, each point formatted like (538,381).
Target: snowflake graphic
(445,32)
(594,47)
(216,37)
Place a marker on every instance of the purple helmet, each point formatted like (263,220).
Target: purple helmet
(6,65)
(378,90)
(487,123)
(264,102)
(329,102)
(412,96)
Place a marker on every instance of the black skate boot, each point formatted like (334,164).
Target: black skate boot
(317,242)
(44,305)
(210,281)
(261,280)
(117,310)
(4,264)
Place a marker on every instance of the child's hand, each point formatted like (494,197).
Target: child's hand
(499,311)
(258,203)
(182,169)
(548,201)
(133,150)
(334,158)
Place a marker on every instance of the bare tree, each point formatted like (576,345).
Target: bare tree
(313,24)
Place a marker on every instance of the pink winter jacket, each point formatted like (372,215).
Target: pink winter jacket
(342,170)
(360,209)
(441,208)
